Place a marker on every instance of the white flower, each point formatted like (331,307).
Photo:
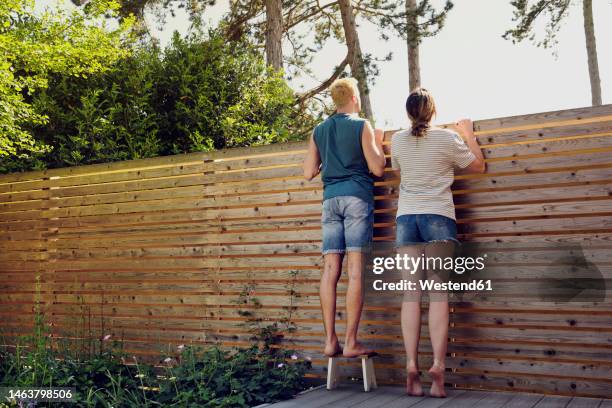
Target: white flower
(308,358)
(167,360)
(294,357)
(139,375)
(105,338)
(281,365)
(181,347)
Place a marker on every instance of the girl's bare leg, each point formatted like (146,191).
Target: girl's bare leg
(411,324)
(438,317)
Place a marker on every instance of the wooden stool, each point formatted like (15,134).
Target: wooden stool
(367,365)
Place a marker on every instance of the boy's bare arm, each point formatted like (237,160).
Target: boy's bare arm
(312,162)
(371,141)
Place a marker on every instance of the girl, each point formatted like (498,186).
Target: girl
(425,158)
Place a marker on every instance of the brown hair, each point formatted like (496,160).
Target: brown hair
(421,109)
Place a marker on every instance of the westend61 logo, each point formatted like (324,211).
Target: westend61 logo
(437,269)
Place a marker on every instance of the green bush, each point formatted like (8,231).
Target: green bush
(35,45)
(216,94)
(201,93)
(101,118)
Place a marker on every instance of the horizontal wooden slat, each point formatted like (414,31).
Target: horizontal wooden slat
(546,119)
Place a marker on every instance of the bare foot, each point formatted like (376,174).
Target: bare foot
(332,348)
(436,372)
(355,350)
(413,383)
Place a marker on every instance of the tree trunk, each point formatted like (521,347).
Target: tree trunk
(412,42)
(355,56)
(589,33)
(274,33)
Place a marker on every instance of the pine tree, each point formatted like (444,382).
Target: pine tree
(413,21)
(555,11)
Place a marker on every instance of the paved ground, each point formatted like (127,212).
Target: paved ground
(352,396)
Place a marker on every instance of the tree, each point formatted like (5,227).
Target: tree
(200,93)
(136,9)
(412,44)
(415,31)
(274,33)
(591,46)
(525,16)
(322,21)
(212,94)
(34,46)
(355,56)
(412,20)
(337,19)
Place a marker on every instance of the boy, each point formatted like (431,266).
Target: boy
(345,149)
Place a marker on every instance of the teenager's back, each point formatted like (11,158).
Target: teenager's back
(426,164)
(344,169)
(343,149)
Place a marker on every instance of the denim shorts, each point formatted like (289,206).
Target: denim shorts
(423,228)
(347,224)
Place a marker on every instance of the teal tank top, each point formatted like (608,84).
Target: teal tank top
(344,169)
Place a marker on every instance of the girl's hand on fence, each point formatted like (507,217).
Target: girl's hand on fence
(465,127)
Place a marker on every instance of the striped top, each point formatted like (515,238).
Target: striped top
(426,165)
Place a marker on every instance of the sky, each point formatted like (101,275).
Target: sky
(470,69)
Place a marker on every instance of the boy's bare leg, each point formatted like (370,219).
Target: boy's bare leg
(327,293)
(354,305)
(411,323)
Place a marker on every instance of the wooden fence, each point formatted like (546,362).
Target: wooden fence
(176,250)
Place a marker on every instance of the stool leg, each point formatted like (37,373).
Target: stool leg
(367,382)
(332,373)
(372,373)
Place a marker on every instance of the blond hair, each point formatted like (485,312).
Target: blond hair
(342,91)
